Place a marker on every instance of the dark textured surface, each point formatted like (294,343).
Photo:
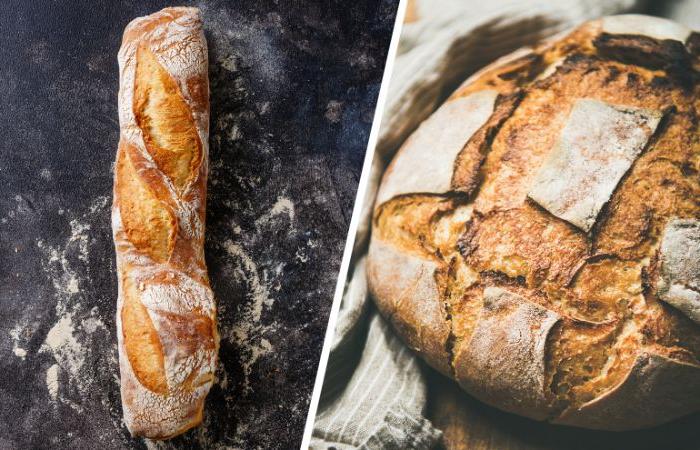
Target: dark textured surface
(293,87)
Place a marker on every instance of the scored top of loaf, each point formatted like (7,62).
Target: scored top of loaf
(565,165)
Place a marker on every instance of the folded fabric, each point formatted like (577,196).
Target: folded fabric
(382,403)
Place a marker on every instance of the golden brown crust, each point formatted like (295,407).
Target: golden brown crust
(406,294)
(592,312)
(165,119)
(468,162)
(149,227)
(654,387)
(142,343)
(166,316)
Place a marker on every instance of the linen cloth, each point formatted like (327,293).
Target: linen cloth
(374,392)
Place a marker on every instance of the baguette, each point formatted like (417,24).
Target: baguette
(537,239)
(166,314)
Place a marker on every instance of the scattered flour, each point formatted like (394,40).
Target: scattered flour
(264,107)
(65,347)
(52,381)
(249,332)
(283,206)
(334,111)
(154,445)
(16,335)
(65,265)
(301,256)
(260,350)
(92,324)
(249,272)
(234,133)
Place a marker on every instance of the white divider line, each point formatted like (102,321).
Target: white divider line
(354,222)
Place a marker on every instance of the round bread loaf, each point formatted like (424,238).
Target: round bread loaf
(538,237)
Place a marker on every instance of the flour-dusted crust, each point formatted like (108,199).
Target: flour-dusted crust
(679,255)
(506,354)
(548,278)
(654,27)
(407,293)
(166,315)
(435,146)
(596,147)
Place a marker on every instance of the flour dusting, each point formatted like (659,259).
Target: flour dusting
(249,331)
(52,381)
(65,264)
(92,323)
(301,255)
(282,207)
(16,335)
(64,346)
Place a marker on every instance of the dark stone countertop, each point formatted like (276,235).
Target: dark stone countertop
(293,88)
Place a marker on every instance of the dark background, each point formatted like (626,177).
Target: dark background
(293,89)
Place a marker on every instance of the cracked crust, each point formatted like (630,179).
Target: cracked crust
(166,315)
(405,294)
(540,279)
(655,386)
(434,146)
(503,363)
(679,283)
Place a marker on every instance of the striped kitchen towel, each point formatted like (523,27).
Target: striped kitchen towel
(383,400)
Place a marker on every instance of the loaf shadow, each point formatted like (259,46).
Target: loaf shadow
(470,424)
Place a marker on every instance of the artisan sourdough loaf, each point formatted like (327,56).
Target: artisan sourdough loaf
(538,237)
(166,315)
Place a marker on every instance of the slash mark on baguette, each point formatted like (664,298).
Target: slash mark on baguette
(168,128)
(149,226)
(142,344)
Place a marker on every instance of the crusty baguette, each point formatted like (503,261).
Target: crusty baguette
(166,315)
(538,237)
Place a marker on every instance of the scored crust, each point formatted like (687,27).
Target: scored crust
(526,239)
(654,387)
(407,280)
(503,363)
(679,283)
(166,315)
